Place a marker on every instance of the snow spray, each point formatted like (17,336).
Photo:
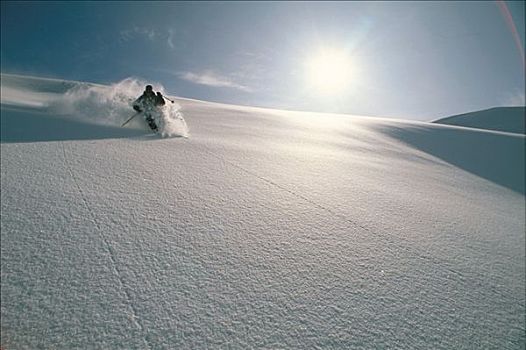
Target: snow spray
(112,104)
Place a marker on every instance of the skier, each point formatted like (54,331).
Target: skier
(146,103)
(159,100)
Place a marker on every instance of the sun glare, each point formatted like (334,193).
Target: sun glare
(328,71)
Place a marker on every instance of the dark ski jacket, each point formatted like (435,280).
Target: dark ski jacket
(146,99)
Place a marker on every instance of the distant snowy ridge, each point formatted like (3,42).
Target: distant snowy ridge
(507,119)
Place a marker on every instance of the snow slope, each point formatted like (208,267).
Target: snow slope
(262,229)
(507,119)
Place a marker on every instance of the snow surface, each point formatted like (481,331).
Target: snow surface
(507,119)
(262,229)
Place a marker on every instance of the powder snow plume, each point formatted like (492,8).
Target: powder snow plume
(171,122)
(112,105)
(90,103)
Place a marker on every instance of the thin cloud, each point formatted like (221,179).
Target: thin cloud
(515,98)
(138,32)
(210,78)
(170,40)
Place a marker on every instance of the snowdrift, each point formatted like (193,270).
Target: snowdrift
(507,119)
(264,229)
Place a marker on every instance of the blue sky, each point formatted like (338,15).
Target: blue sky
(417,60)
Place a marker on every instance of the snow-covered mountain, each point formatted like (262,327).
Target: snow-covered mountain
(507,119)
(257,229)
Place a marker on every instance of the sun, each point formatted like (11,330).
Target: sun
(328,71)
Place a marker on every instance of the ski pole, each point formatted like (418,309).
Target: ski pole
(168,99)
(133,116)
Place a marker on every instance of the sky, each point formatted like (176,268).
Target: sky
(418,60)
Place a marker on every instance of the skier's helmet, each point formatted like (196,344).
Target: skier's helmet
(149,88)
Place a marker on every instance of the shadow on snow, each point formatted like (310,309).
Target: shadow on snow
(496,157)
(26,125)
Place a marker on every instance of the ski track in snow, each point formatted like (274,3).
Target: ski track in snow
(439,263)
(134,317)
